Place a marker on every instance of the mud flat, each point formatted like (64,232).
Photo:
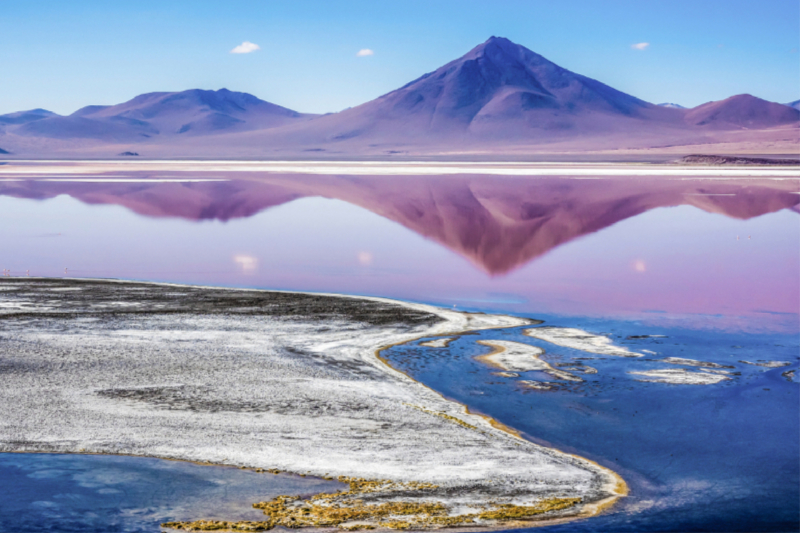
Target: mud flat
(274,381)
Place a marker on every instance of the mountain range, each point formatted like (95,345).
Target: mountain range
(498,98)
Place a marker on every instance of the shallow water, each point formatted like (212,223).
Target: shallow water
(720,457)
(106,493)
(714,265)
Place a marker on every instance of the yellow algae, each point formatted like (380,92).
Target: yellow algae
(334,509)
(520,512)
(346,511)
(443,415)
(495,424)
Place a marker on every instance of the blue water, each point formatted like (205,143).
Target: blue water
(721,457)
(116,494)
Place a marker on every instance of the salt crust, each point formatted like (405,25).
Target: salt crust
(297,394)
(437,343)
(577,339)
(680,376)
(519,357)
(768,364)
(537,385)
(692,362)
(67,169)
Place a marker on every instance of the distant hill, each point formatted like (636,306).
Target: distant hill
(193,112)
(671,105)
(23,117)
(795,104)
(742,111)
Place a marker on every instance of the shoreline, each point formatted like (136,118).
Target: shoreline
(88,170)
(450,323)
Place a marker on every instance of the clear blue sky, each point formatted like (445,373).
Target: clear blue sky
(62,55)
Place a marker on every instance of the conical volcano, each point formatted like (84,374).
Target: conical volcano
(498,91)
(500,79)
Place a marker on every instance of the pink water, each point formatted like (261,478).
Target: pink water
(701,254)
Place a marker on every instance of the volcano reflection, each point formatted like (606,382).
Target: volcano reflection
(497,223)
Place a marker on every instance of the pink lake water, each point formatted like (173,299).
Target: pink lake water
(699,253)
(710,266)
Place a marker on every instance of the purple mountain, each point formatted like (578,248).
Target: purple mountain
(193,112)
(500,97)
(23,117)
(742,111)
(498,90)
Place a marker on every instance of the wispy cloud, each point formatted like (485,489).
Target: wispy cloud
(245,48)
(365,52)
(640,46)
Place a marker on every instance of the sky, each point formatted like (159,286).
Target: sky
(324,56)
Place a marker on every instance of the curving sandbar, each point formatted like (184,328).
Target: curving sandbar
(280,381)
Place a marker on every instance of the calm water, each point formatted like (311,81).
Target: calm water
(109,494)
(714,265)
(697,458)
(704,253)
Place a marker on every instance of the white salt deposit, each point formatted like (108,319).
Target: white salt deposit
(679,376)
(577,339)
(437,343)
(768,364)
(388,168)
(513,356)
(519,357)
(692,362)
(537,385)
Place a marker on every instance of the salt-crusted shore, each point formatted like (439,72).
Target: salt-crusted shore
(274,380)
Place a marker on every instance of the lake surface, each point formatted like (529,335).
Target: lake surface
(711,264)
(720,457)
(110,494)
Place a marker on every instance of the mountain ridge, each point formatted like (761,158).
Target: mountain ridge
(497,97)
(195,111)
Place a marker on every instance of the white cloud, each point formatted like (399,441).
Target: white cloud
(247,263)
(640,46)
(365,52)
(245,48)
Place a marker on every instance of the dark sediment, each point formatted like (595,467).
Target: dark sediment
(702,159)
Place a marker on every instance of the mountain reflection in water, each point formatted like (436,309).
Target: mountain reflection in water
(675,261)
